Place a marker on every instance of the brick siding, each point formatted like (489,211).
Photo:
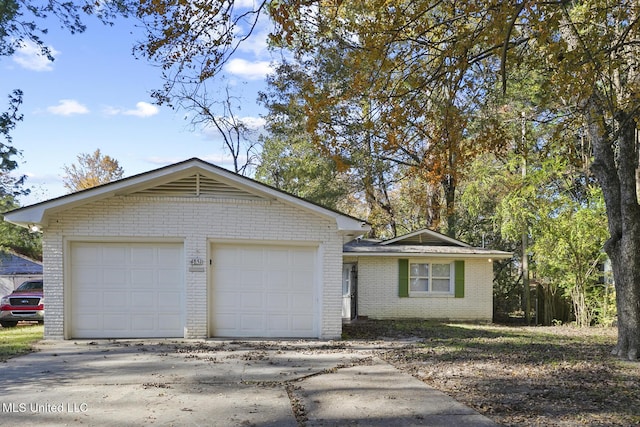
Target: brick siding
(378,293)
(197,222)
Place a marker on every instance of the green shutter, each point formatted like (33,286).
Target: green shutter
(459,280)
(403,278)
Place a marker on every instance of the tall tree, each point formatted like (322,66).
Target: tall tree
(90,171)
(590,49)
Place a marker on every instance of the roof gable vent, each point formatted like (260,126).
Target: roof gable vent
(197,185)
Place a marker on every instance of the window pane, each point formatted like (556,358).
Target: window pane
(441,270)
(346,280)
(441,285)
(419,270)
(419,285)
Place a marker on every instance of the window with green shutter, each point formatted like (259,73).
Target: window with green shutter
(421,278)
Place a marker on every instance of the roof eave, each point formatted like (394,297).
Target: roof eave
(486,255)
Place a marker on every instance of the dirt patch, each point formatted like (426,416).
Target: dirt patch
(517,376)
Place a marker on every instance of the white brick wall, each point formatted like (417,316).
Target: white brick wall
(378,293)
(197,222)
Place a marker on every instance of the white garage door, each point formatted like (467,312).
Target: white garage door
(264,291)
(127,290)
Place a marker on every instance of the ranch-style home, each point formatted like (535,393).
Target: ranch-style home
(423,274)
(193,250)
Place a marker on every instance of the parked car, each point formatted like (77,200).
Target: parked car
(25,303)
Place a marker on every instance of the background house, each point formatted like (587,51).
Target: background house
(423,274)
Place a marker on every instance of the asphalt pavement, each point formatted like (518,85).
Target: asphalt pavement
(218,383)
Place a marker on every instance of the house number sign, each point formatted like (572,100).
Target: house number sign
(197,264)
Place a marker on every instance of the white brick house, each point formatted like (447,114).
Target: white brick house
(423,274)
(189,250)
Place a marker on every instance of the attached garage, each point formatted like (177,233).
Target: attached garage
(126,290)
(190,250)
(264,291)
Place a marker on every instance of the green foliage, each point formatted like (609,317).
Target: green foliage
(568,252)
(13,237)
(295,166)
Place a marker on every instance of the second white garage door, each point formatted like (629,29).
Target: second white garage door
(264,291)
(127,290)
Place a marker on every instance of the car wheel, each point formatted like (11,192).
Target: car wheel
(8,324)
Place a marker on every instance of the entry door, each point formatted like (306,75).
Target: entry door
(349,291)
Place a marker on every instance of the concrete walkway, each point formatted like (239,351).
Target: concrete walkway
(218,383)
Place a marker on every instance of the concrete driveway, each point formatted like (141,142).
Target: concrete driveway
(219,383)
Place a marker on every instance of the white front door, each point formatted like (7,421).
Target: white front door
(264,291)
(349,287)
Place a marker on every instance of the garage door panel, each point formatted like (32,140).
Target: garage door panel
(142,300)
(144,322)
(301,323)
(303,259)
(278,323)
(143,277)
(87,274)
(167,300)
(301,303)
(251,256)
(277,302)
(225,301)
(127,290)
(252,323)
(115,300)
(271,284)
(168,278)
(251,301)
(115,322)
(278,280)
(143,255)
(112,275)
(170,322)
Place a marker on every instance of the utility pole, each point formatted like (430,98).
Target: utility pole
(525,234)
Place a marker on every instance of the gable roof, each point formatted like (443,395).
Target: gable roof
(424,237)
(423,242)
(12,264)
(190,178)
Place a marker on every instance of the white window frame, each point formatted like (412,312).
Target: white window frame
(430,277)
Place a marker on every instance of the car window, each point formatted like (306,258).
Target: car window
(30,286)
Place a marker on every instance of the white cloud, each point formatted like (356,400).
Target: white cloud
(256,70)
(245,4)
(253,122)
(68,107)
(143,109)
(29,56)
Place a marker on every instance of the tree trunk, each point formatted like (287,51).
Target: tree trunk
(616,176)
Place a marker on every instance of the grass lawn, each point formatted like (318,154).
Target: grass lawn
(517,376)
(18,340)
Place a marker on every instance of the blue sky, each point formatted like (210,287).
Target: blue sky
(97,95)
